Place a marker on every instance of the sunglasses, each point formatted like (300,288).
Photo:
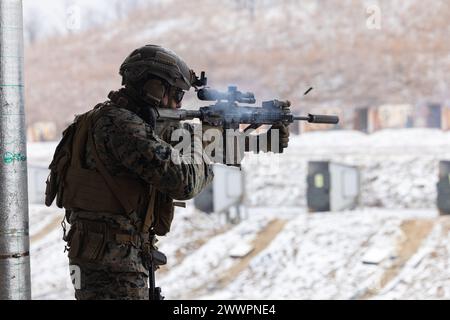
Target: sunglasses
(177,94)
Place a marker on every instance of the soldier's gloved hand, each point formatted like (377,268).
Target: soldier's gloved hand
(211,133)
(283,135)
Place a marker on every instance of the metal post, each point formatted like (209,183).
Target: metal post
(14,239)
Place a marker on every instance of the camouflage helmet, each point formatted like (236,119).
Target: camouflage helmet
(157,61)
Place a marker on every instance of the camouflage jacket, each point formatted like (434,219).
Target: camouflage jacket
(127,145)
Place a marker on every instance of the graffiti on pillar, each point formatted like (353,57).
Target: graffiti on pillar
(11,157)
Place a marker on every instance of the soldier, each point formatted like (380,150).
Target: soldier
(114,173)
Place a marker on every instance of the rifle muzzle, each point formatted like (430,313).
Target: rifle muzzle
(318,118)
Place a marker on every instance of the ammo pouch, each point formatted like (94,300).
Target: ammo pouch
(87,240)
(164,214)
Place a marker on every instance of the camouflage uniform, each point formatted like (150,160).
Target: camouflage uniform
(114,173)
(126,145)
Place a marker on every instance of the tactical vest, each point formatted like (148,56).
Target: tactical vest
(75,187)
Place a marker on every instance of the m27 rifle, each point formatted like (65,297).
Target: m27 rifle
(228,113)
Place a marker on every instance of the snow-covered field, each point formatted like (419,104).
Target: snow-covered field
(49,264)
(295,255)
(387,248)
(399,168)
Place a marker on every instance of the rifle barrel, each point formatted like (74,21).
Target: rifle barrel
(301,118)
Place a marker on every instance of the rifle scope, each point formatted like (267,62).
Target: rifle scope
(232,95)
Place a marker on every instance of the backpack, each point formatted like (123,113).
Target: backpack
(75,186)
(118,194)
(58,167)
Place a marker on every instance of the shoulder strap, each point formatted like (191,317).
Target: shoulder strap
(112,184)
(149,216)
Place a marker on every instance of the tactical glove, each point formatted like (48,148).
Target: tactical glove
(283,137)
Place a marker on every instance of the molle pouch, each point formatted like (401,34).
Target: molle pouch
(93,246)
(163,214)
(74,239)
(94,241)
(58,166)
(87,242)
(51,188)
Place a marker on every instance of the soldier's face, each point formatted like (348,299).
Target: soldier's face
(172,99)
(170,103)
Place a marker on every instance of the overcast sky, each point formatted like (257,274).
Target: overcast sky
(49,17)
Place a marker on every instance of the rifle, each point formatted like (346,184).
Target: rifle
(226,113)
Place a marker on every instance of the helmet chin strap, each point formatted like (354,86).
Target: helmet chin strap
(154,91)
(151,92)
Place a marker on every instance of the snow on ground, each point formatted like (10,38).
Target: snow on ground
(41,153)
(206,265)
(190,230)
(366,253)
(399,168)
(427,273)
(50,265)
(321,256)
(357,254)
